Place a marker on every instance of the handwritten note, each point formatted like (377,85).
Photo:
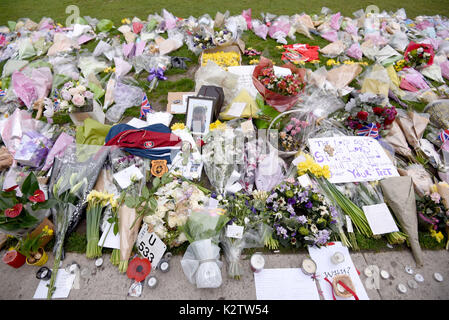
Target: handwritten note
(63,285)
(285,284)
(352,158)
(327,269)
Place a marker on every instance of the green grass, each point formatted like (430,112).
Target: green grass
(116,10)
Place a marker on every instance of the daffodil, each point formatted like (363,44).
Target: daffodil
(178,126)
(254,61)
(217,125)
(438,236)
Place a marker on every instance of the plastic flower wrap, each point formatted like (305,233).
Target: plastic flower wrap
(175,201)
(201,262)
(432,213)
(246,211)
(419,55)
(368,117)
(33,149)
(300,216)
(74,97)
(223,37)
(73,176)
(282,93)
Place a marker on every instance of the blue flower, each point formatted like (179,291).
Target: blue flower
(309,205)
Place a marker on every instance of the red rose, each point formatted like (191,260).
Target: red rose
(388,122)
(362,115)
(38,196)
(14,211)
(378,125)
(11,189)
(359,126)
(378,110)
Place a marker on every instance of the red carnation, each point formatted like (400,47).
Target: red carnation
(359,126)
(362,115)
(378,110)
(388,121)
(11,189)
(378,125)
(38,196)
(14,211)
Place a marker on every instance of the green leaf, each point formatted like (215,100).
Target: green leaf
(153,204)
(29,185)
(145,192)
(6,203)
(115,229)
(156,182)
(130,202)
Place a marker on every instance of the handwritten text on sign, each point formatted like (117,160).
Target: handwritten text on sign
(352,158)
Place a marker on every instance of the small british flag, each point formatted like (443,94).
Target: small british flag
(2,93)
(370,130)
(55,99)
(444,135)
(145,107)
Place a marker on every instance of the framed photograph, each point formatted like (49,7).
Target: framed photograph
(199,114)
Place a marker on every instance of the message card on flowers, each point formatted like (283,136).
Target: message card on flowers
(352,158)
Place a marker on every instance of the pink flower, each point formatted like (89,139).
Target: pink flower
(78,100)
(293,132)
(435,196)
(88,95)
(66,95)
(289,127)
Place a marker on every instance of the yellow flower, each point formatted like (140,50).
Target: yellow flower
(178,126)
(310,166)
(438,236)
(221,58)
(126,21)
(332,62)
(433,188)
(217,125)
(254,61)
(280,47)
(314,61)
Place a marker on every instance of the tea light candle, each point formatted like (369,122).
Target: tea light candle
(308,266)
(337,258)
(257,262)
(43,273)
(164,266)
(152,282)
(99,262)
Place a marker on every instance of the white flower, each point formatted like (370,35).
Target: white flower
(64,105)
(81,88)
(313,228)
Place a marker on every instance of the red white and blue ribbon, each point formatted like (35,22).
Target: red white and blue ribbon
(370,130)
(444,135)
(145,107)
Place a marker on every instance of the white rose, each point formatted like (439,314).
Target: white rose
(64,104)
(81,88)
(73,91)
(78,100)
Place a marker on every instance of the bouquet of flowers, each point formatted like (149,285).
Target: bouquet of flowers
(19,213)
(300,216)
(367,117)
(201,263)
(223,37)
(419,55)
(74,97)
(175,201)
(282,93)
(433,216)
(247,212)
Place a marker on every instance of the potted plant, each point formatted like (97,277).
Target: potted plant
(14,258)
(32,247)
(14,210)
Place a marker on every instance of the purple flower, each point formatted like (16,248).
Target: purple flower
(281,231)
(291,201)
(322,237)
(309,205)
(290,209)
(301,219)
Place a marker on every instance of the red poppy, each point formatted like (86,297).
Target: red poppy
(14,211)
(11,189)
(138,269)
(362,115)
(38,196)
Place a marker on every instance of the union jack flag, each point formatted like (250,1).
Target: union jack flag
(55,99)
(145,107)
(444,135)
(370,130)
(2,93)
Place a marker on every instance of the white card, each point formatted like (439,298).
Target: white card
(380,219)
(123,177)
(150,245)
(236,109)
(234,231)
(137,123)
(305,181)
(109,238)
(349,224)
(213,203)
(63,285)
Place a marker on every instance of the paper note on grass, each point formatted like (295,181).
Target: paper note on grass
(123,177)
(380,219)
(285,284)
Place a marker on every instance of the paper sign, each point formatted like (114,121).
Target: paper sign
(247,126)
(63,285)
(380,219)
(305,181)
(109,238)
(352,158)
(150,245)
(123,177)
(236,109)
(234,231)
(327,269)
(285,284)
(349,227)
(213,203)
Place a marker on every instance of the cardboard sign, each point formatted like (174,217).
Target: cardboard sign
(352,158)
(150,245)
